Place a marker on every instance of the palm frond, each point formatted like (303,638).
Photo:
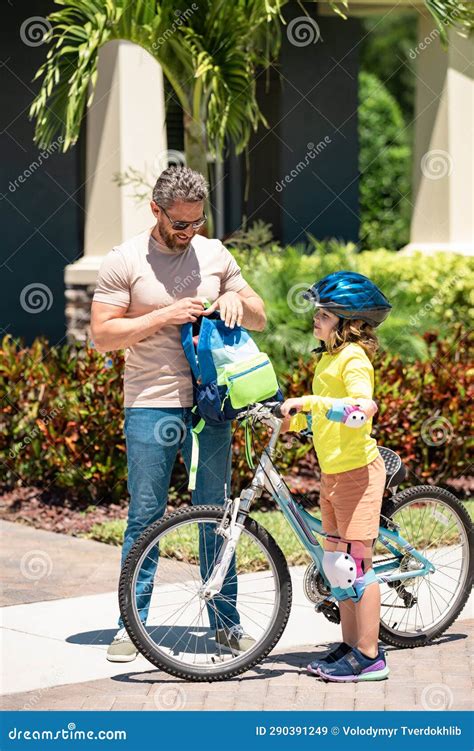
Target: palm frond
(78,32)
(452,14)
(211,55)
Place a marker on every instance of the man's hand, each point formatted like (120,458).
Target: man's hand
(230,307)
(288,404)
(183,311)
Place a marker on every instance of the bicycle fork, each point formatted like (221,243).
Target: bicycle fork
(237,509)
(230,534)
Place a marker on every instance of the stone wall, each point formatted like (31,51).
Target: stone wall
(78,311)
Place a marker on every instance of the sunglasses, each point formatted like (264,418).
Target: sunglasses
(183,225)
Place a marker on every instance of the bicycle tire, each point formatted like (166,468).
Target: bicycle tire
(396,503)
(208,513)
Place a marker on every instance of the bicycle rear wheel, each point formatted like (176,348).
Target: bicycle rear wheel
(178,636)
(437,524)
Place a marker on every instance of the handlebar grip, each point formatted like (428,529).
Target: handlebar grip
(278,413)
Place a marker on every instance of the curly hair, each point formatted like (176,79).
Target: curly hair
(353,331)
(179,184)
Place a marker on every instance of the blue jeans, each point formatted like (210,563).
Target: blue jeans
(154,435)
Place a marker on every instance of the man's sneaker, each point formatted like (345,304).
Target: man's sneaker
(234,638)
(121,649)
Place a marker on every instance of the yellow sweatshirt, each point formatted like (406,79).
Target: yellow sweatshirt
(347,375)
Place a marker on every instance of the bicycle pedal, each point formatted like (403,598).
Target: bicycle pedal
(330,611)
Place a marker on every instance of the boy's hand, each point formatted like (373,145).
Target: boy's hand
(288,404)
(368,406)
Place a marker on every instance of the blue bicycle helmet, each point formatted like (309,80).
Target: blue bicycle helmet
(350,295)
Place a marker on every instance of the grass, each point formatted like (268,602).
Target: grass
(183,544)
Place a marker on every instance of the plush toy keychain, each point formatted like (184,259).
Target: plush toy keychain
(349,415)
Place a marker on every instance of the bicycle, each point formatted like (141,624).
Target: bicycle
(429,587)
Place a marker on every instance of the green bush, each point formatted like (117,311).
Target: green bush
(426,292)
(388,40)
(423,406)
(61,421)
(384,165)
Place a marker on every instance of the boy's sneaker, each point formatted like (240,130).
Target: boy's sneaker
(340,651)
(234,638)
(354,667)
(121,649)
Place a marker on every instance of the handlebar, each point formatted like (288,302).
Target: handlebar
(276,411)
(350,415)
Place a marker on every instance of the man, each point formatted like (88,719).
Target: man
(147,288)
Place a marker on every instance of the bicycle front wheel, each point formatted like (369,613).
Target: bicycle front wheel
(166,614)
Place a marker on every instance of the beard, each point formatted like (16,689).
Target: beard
(170,239)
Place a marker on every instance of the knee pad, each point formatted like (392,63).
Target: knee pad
(359,553)
(340,569)
(344,571)
(363,581)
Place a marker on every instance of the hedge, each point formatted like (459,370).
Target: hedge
(385,167)
(426,292)
(61,419)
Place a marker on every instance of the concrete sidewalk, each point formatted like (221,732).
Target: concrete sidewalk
(60,615)
(38,565)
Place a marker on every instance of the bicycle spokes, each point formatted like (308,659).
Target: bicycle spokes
(418,604)
(170,595)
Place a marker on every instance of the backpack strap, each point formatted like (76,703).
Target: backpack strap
(195,453)
(248,445)
(189,349)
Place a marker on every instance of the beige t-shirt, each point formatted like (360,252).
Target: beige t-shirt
(142,275)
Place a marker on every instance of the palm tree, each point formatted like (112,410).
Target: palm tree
(209,52)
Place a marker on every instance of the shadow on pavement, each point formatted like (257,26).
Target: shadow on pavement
(275,664)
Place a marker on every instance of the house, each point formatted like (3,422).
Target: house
(62,213)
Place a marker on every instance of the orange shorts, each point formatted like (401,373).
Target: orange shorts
(351,501)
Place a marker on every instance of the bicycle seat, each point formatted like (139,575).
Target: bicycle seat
(396,471)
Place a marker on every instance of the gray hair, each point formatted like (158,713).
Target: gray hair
(179,184)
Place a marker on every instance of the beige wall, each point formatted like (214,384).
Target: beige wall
(125,128)
(443,171)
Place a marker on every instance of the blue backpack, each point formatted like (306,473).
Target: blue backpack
(229,373)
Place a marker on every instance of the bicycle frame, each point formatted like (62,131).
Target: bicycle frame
(306,526)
